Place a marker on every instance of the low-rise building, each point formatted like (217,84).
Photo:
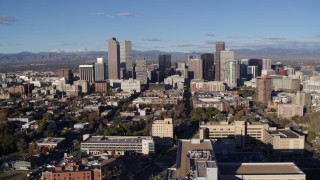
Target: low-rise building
(289,110)
(131,85)
(50,142)
(117,145)
(246,133)
(73,170)
(285,140)
(200,85)
(162,131)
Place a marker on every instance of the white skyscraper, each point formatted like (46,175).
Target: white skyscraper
(141,71)
(232,73)
(225,56)
(125,54)
(266,64)
(99,70)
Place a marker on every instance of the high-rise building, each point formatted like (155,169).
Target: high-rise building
(195,69)
(99,70)
(208,66)
(252,72)
(232,73)
(164,66)
(125,53)
(220,46)
(258,63)
(141,71)
(67,74)
(243,68)
(263,89)
(225,56)
(87,73)
(113,59)
(266,64)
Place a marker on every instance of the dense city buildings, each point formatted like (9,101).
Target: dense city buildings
(67,74)
(263,89)
(220,46)
(113,59)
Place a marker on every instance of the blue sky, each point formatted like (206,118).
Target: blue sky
(167,25)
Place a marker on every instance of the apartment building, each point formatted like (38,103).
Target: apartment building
(117,145)
(162,131)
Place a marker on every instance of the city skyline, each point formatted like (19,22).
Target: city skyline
(182,27)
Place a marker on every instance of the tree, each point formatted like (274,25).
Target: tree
(21,145)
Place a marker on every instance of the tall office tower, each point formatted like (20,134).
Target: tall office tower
(232,73)
(126,57)
(113,59)
(220,46)
(263,89)
(258,63)
(208,66)
(225,56)
(252,72)
(164,66)
(99,70)
(243,68)
(87,73)
(266,64)
(195,69)
(141,71)
(67,74)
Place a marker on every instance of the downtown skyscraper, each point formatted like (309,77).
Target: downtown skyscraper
(220,46)
(99,70)
(113,59)
(125,54)
(208,66)
(164,66)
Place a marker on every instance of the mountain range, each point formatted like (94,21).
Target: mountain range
(152,55)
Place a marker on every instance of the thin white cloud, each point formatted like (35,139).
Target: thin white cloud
(152,39)
(98,13)
(237,37)
(275,38)
(210,34)
(126,14)
(7,20)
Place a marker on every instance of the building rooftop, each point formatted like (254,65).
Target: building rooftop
(50,140)
(116,139)
(191,150)
(284,133)
(258,169)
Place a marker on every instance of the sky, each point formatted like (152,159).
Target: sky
(165,25)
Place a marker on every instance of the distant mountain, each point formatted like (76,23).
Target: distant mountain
(279,54)
(152,55)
